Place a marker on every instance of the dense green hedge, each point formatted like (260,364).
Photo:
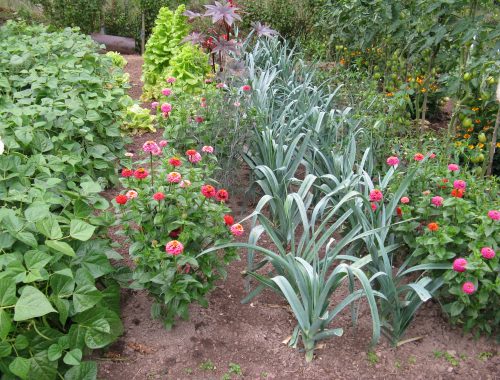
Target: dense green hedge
(61,104)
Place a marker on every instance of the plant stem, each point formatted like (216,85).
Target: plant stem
(152,169)
(493,144)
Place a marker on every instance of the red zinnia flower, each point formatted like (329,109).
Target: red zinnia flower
(127,172)
(158,196)
(174,161)
(121,199)
(208,191)
(175,233)
(222,195)
(190,152)
(141,173)
(433,226)
(399,212)
(457,193)
(229,220)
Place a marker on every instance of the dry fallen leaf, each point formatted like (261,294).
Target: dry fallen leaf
(287,340)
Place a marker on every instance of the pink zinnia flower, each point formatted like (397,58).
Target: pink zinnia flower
(141,173)
(433,155)
(494,214)
(405,200)
(459,184)
(373,205)
(174,247)
(426,192)
(198,119)
(127,172)
(171,80)
(220,85)
(163,143)
(208,191)
(437,201)
(174,177)
(154,105)
(237,229)
(418,157)
(207,149)
(392,161)
(237,104)
(149,146)
(453,167)
(166,107)
(468,287)
(166,91)
(376,195)
(131,194)
(203,105)
(185,183)
(207,81)
(194,158)
(246,88)
(158,196)
(459,265)
(488,253)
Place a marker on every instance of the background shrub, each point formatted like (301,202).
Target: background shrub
(86,14)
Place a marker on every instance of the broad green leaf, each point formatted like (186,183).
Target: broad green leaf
(5,349)
(20,367)
(54,352)
(60,246)
(81,230)
(85,297)
(37,211)
(49,227)
(31,304)
(84,371)
(5,323)
(7,292)
(73,357)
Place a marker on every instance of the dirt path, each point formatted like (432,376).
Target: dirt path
(248,338)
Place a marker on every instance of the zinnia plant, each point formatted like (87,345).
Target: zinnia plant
(169,221)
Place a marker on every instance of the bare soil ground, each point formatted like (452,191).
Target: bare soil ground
(248,338)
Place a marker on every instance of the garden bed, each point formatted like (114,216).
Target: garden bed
(232,340)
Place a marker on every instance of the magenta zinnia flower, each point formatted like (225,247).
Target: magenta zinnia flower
(376,195)
(488,253)
(494,214)
(468,287)
(453,167)
(166,92)
(392,161)
(459,184)
(437,201)
(166,107)
(246,88)
(460,265)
